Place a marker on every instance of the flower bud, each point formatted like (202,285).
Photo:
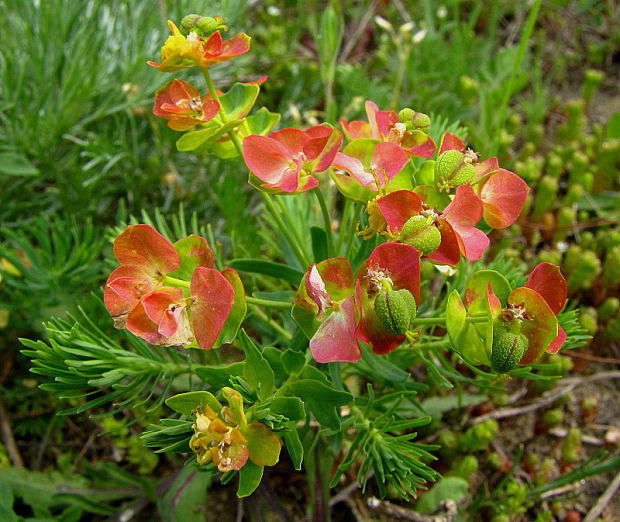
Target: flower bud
(188,23)
(507,350)
(414,120)
(421,232)
(421,121)
(591,82)
(550,419)
(573,194)
(612,330)
(478,437)
(565,219)
(451,167)
(205,26)
(396,309)
(465,467)
(406,115)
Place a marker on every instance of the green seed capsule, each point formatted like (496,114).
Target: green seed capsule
(508,349)
(188,23)
(451,167)
(396,309)
(421,232)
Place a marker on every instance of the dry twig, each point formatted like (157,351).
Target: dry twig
(594,513)
(447,507)
(9,441)
(550,397)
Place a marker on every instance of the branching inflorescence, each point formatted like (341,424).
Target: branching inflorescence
(423,203)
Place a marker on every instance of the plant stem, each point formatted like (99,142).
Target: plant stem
(263,317)
(173,281)
(429,345)
(441,321)
(299,253)
(433,321)
(343,224)
(326,221)
(268,303)
(233,135)
(295,230)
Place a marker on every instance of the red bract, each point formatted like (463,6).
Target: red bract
(503,193)
(386,126)
(286,159)
(149,295)
(548,281)
(161,318)
(394,266)
(457,222)
(146,257)
(180,103)
(325,310)
(372,171)
(181,51)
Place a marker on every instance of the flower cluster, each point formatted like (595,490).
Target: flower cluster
(199,44)
(439,215)
(336,309)
(428,209)
(284,162)
(171,294)
(520,325)
(180,103)
(223,436)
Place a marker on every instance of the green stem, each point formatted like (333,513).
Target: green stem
(441,321)
(351,230)
(268,303)
(429,345)
(233,135)
(344,221)
(173,281)
(326,221)
(299,253)
(294,229)
(433,321)
(398,83)
(263,317)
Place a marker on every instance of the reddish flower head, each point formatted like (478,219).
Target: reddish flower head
(181,51)
(456,223)
(325,310)
(286,159)
(503,193)
(368,163)
(386,126)
(528,314)
(150,296)
(390,266)
(180,103)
